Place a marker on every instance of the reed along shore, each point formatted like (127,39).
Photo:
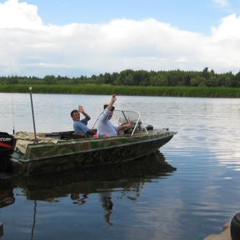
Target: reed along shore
(213,92)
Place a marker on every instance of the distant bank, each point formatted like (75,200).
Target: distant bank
(219,92)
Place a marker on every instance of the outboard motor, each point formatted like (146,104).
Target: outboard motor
(7,144)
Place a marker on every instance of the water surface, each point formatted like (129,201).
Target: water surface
(137,201)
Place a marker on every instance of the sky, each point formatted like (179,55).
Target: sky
(78,37)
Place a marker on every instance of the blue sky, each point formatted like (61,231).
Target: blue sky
(75,37)
(195,15)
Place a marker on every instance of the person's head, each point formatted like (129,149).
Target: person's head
(75,115)
(110,115)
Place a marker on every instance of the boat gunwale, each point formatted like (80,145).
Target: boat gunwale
(150,133)
(168,134)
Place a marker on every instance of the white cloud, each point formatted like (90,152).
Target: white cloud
(19,15)
(30,47)
(222,3)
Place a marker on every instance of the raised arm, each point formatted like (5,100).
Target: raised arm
(81,110)
(113,100)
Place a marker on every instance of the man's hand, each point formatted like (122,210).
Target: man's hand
(81,109)
(114,98)
(124,126)
(129,125)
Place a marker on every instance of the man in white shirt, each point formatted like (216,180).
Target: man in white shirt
(105,126)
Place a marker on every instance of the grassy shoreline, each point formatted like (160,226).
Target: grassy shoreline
(217,92)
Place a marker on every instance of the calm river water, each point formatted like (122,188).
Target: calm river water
(136,201)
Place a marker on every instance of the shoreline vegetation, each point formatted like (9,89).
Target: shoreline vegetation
(104,89)
(173,83)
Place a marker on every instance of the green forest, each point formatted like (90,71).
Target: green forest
(135,83)
(130,77)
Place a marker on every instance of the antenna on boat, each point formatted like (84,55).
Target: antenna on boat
(13,117)
(10,75)
(34,127)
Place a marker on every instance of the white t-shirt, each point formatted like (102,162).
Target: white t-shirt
(105,126)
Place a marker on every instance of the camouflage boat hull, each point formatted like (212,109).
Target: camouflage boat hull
(71,154)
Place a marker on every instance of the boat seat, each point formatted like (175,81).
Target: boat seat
(78,135)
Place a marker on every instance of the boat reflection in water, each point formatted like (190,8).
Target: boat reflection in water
(127,179)
(89,180)
(6,198)
(6,193)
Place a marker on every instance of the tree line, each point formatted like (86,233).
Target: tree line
(130,77)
